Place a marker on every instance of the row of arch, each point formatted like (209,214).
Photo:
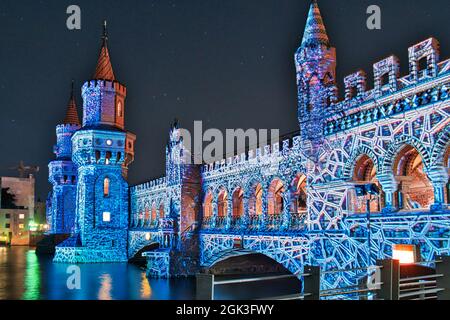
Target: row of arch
(406,182)
(149,217)
(275,200)
(410,187)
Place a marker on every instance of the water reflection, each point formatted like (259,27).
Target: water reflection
(23,275)
(105,287)
(32,281)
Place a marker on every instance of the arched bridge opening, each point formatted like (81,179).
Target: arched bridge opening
(252,275)
(138,258)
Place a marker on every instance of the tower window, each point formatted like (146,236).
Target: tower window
(108,157)
(119,109)
(106,187)
(106,216)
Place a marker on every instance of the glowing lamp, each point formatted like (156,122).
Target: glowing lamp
(106,216)
(147,236)
(406,254)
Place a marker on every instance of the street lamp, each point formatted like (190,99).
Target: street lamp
(370,191)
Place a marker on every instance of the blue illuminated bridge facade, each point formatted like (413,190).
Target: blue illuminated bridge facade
(294,201)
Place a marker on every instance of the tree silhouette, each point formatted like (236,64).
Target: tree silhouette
(8,199)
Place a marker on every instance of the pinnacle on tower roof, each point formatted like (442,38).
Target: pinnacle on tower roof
(72,113)
(104,68)
(315,32)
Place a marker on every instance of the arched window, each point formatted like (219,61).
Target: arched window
(147,216)
(238,203)
(106,183)
(415,190)
(153,214)
(222,204)
(365,172)
(275,197)
(255,201)
(207,205)
(447,165)
(298,194)
(161,211)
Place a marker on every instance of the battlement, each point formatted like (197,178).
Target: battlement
(66,128)
(424,65)
(153,185)
(105,84)
(260,155)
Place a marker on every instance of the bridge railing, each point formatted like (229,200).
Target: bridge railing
(206,284)
(273,222)
(380,282)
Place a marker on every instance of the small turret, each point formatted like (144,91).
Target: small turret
(63,174)
(315,62)
(65,130)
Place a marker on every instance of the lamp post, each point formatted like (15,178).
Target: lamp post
(368,190)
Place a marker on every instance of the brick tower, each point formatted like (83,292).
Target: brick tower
(102,150)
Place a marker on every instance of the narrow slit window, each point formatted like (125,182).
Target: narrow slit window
(106,187)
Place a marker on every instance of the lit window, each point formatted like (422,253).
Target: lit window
(119,109)
(406,254)
(107,161)
(106,216)
(106,187)
(21,216)
(21,226)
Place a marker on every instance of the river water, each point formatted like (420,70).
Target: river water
(26,276)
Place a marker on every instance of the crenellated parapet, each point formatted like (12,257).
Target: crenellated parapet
(396,104)
(265,156)
(424,66)
(63,146)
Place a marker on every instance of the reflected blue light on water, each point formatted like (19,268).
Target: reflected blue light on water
(23,275)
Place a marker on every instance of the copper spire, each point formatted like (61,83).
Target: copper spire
(315,32)
(72,113)
(104,68)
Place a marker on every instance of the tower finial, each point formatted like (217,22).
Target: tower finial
(105,33)
(72,89)
(104,68)
(315,32)
(72,113)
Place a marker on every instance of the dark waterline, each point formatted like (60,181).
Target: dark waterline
(26,276)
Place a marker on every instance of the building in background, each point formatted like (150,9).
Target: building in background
(17,209)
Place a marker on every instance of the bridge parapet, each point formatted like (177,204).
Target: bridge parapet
(256,223)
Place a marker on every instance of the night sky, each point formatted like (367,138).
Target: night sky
(226,62)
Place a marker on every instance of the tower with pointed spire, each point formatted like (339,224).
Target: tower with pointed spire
(102,151)
(315,63)
(63,174)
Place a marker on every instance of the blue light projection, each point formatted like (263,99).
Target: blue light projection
(295,201)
